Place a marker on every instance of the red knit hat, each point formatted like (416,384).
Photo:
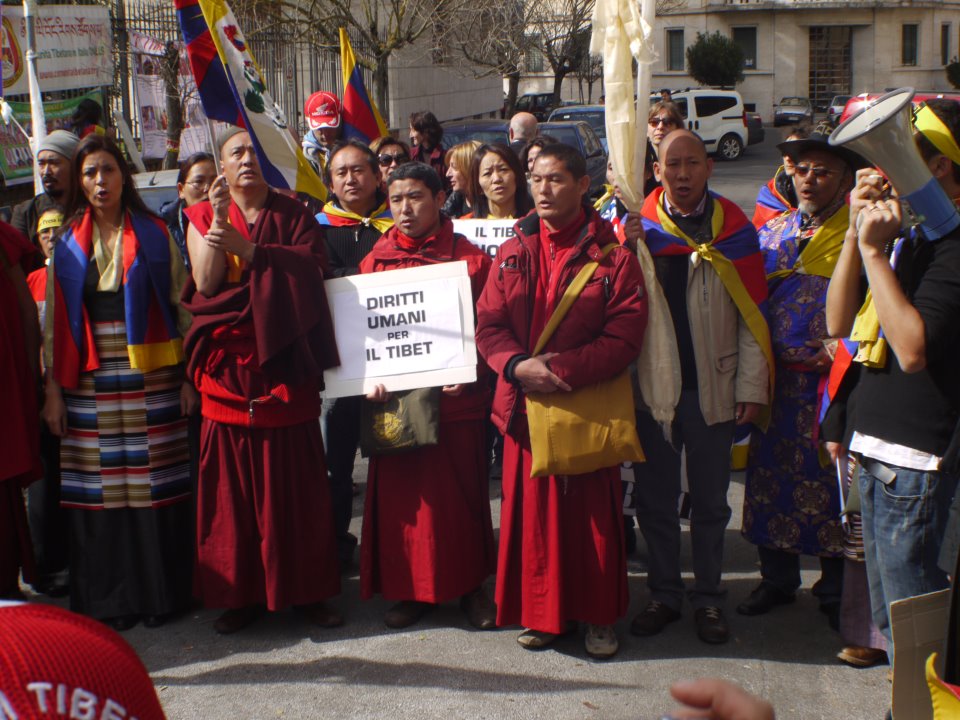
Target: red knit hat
(54,663)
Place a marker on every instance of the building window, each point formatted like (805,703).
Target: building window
(909,51)
(675,59)
(746,38)
(532,57)
(945,44)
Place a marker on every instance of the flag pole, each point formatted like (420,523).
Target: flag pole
(37,120)
(648,11)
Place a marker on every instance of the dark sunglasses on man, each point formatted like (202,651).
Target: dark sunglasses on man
(385,159)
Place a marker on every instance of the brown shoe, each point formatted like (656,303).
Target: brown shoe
(237,619)
(405,613)
(862,656)
(711,626)
(480,609)
(654,618)
(322,615)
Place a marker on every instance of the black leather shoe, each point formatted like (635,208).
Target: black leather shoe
(832,611)
(711,626)
(763,599)
(121,623)
(236,619)
(654,618)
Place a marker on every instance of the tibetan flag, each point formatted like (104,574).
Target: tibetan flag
(361,119)
(232,90)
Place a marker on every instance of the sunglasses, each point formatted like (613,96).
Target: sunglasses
(818,172)
(386,159)
(653,122)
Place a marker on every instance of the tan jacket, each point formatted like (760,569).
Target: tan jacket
(731,367)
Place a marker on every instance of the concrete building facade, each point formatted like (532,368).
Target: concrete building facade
(810,48)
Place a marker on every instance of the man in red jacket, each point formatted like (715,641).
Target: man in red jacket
(427,531)
(561,539)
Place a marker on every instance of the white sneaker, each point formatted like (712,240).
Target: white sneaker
(601,641)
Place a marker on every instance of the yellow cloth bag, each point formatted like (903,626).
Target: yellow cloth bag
(586,429)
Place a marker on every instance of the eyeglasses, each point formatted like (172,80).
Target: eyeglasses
(200,184)
(661,121)
(818,172)
(386,159)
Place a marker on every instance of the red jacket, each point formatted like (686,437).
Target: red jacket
(443,247)
(600,336)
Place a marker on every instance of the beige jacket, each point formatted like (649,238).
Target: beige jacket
(731,367)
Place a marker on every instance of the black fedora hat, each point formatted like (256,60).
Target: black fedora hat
(818,141)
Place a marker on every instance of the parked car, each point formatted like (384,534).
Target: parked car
(755,132)
(485,131)
(156,187)
(582,137)
(538,104)
(593,115)
(717,116)
(793,110)
(835,109)
(858,102)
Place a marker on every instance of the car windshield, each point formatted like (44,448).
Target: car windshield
(794,102)
(455,136)
(840,100)
(594,118)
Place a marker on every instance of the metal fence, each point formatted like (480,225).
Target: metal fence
(292,69)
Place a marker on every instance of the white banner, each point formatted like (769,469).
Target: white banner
(404,329)
(488,235)
(151,97)
(73,48)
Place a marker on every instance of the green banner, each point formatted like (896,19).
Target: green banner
(16,160)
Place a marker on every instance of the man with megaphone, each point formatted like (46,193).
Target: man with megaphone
(903,409)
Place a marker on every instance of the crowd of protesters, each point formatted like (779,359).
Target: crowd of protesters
(180,450)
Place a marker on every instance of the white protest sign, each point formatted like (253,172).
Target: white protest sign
(403,329)
(487,235)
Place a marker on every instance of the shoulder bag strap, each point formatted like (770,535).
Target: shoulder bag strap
(572,292)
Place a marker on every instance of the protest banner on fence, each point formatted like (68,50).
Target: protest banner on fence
(151,92)
(488,235)
(74,45)
(16,158)
(403,329)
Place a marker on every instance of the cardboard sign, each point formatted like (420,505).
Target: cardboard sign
(919,626)
(488,235)
(403,329)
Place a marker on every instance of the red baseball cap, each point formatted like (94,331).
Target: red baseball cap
(322,110)
(53,662)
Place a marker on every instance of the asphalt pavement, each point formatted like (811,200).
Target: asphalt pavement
(442,668)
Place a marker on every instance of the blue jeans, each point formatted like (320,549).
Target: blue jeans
(903,524)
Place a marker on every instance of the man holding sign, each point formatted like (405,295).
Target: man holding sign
(427,533)
(562,557)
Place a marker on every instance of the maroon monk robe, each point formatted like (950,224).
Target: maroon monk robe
(427,532)
(561,555)
(257,350)
(20,423)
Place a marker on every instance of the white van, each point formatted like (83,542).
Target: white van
(717,116)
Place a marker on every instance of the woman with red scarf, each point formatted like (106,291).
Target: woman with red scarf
(116,396)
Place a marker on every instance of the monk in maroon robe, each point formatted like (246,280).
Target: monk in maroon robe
(260,340)
(427,532)
(562,556)
(20,423)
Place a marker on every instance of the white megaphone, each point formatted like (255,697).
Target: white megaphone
(883,134)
